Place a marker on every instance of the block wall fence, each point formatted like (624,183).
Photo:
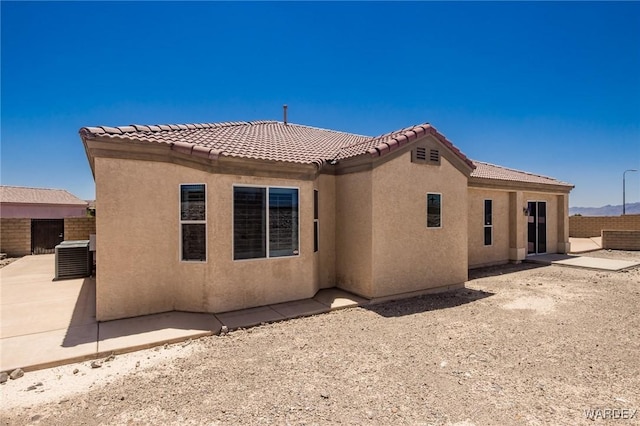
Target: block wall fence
(15,236)
(15,233)
(79,228)
(621,240)
(592,226)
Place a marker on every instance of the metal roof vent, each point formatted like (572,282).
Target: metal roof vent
(73,260)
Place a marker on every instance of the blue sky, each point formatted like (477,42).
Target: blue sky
(551,88)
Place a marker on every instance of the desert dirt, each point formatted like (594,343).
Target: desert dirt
(521,344)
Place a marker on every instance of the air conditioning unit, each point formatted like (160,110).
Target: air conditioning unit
(73,260)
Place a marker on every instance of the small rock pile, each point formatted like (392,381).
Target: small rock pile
(14,375)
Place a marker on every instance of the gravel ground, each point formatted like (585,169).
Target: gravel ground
(522,344)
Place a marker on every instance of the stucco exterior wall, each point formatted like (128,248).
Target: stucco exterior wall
(498,252)
(353,233)
(326,256)
(138,260)
(408,256)
(41,211)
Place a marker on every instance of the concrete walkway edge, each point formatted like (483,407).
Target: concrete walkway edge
(51,348)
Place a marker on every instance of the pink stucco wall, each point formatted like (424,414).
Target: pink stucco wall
(41,211)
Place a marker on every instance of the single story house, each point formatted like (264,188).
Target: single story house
(39,203)
(222,216)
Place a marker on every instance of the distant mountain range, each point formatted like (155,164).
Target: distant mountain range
(608,210)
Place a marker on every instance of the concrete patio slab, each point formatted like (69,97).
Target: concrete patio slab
(336,299)
(249,317)
(49,348)
(595,263)
(13,291)
(33,317)
(300,308)
(131,334)
(40,264)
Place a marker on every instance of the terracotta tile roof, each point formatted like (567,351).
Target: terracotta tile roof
(491,171)
(267,140)
(388,142)
(24,195)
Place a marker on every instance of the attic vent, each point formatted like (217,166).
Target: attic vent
(425,155)
(73,260)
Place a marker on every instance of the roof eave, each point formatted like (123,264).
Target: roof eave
(198,157)
(491,183)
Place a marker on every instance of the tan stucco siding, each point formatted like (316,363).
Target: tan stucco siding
(139,267)
(353,233)
(498,251)
(326,264)
(408,256)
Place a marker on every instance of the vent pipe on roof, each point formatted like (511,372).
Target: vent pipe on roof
(284,108)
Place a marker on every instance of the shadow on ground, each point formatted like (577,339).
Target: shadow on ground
(427,302)
(84,313)
(493,271)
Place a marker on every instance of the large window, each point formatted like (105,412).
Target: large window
(193,224)
(488,222)
(434,210)
(265,222)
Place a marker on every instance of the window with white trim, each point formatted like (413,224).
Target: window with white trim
(265,222)
(488,222)
(193,222)
(316,224)
(434,210)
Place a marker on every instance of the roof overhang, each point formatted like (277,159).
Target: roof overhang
(193,156)
(509,185)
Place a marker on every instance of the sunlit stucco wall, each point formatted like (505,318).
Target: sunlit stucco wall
(139,266)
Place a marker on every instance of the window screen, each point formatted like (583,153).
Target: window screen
(253,222)
(434,210)
(283,222)
(249,222)
(193,227)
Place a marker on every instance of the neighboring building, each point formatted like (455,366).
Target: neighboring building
(33,219)
(39,203)
(225,216)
